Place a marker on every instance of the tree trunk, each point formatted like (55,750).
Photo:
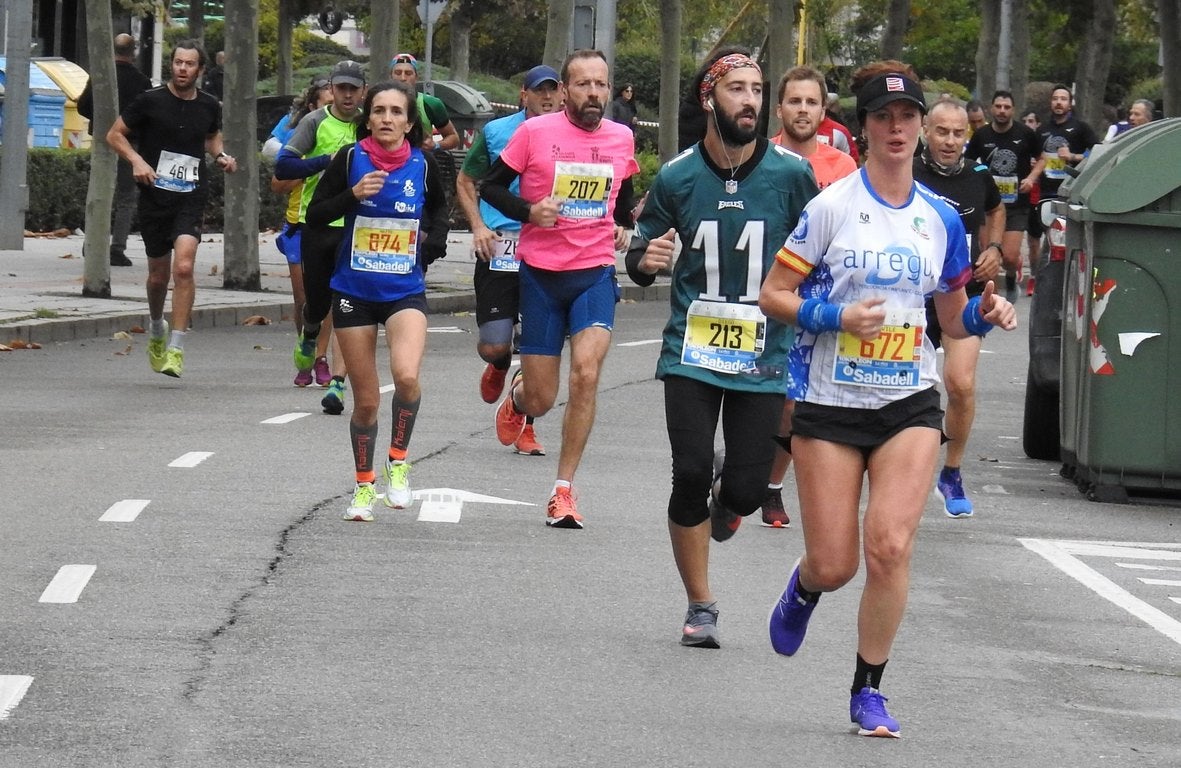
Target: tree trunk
(383,37)
(1019,54)
(241,123)
(1169,15)
(897,19)
(670,77)
(780,53)
(557,33)
(1094,63)
(96,271)
(986,49)
(284,39)
(461,42)
(197,22)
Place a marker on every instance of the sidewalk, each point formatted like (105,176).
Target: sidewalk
(41,289)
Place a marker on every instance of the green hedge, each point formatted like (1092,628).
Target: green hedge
(58,180)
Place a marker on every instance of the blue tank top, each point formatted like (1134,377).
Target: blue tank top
(379,257)
(496,136)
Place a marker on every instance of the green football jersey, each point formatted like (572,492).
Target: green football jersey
(730,230)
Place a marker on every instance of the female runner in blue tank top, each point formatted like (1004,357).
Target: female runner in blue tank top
(853,277)
(395,224)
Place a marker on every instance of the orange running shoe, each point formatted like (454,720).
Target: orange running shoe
(527,444)
(492,383)
(561,511)
(509,422)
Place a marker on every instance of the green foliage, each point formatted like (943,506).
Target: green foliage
(942,38)
(640,66)
(937,87)
(55,177)
(649,161)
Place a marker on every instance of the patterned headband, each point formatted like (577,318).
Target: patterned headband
(718,70)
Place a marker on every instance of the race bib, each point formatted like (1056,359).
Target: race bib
(582,189)
(504,252)
(1007,186)
(1055,166)
(388,246)
(892,360)
(176,172)
(723,337)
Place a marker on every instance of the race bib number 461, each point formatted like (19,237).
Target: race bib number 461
(582,189)
(176,172)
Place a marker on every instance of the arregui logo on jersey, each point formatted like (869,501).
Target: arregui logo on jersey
(889,266)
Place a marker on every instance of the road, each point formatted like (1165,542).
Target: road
(220,612)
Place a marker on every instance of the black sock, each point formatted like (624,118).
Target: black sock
(311,330)
(502,363)
(867,675)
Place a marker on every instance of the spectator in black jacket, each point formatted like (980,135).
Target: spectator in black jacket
(129,83)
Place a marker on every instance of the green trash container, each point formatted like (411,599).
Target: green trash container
(1121,320)
(469,109)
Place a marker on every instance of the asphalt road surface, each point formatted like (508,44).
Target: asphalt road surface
(177,588)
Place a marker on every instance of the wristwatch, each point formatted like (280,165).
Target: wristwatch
(998,247)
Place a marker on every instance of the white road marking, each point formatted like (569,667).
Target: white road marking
(12,690)
(1064,556)
(1175,599)
(68,584)
(1143,567)
(386,389)
(446,329)
(285,418)
(441,511)
(191,459)
(1161,582)
(124,511)
(452,493)
(646,342)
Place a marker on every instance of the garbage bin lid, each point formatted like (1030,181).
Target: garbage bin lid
(1133,172)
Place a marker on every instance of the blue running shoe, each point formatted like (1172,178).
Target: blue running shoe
(951,488)
(788,622)
(868,710)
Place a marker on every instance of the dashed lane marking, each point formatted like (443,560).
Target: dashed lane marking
(191,459)
(68,584)
(1065,555)
(124,511)
(286,418)
(643,343)
(12,689)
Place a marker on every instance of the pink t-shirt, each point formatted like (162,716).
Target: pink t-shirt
(580,169)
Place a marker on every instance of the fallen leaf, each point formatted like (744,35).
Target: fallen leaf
(121,335)
(66,256)
(136,329)
(18,344)
(4,348)
(125,352)
(256,320)
(213,270)
(261,348)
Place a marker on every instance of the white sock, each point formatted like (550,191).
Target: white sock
(560,484)
(177,339)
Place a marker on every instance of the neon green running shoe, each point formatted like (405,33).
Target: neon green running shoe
(174,362)
(361,510)
(156,347)
(304,354)
(397,485)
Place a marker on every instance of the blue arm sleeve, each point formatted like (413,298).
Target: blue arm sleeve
(289,165)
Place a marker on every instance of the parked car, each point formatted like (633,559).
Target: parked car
(1041,431)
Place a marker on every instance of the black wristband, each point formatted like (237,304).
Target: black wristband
(998,247)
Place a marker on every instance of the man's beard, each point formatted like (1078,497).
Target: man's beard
(588,119)
(731,133)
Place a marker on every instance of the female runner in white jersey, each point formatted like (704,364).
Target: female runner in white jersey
(852,277)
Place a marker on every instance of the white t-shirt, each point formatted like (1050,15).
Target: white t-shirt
(851,245)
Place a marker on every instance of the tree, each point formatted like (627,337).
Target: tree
(241,122)
(987,48)
(197,21)
(897,20)
(781,18)
(96,271)
(1169,18)
(1019,52)
(384,21)
(557,33)
(1093,67)
(670,76)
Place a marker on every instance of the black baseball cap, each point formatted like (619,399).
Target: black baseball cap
(883,89)
(349,73)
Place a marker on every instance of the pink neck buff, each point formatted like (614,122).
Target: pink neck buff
(719,69)
(386,159)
